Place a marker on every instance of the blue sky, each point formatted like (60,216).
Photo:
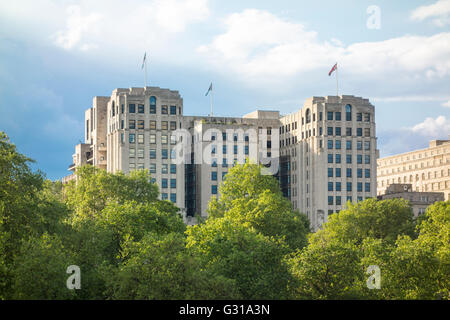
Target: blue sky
(55,56)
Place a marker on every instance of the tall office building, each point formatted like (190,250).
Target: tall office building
(328,155)
(323,155)
(427,170)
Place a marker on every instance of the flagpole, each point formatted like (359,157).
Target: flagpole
(145,66)
(337,87)
(211,100)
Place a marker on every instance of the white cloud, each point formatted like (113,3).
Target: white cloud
(258,46)
(436,128)
(77,25)
(411,98)
(439,12)
(446,104)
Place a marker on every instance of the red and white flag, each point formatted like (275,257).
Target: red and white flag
(332,69)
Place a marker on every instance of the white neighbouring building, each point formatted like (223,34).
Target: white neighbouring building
(323,155)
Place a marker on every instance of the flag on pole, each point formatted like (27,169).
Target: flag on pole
(332,69)
(143,60)
(209,89)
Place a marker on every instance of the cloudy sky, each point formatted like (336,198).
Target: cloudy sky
(56,55)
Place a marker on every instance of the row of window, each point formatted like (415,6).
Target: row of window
(336,172)
(348,131)
(338,202)
(140,138)
(348,144)
(336,186)
(348,158)
(330,116)
(140,108)
(165,125)
(152,168)
(214,175)
(224,149)
(235,136)
(152,153)
(173,197)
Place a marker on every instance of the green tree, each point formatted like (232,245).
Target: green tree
(254,200)
(231,250)
(160,267)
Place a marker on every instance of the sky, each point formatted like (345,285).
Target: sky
(56,55)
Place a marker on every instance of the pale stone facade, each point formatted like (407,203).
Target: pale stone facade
(427,170)
(418,201)
(143,127)
(328,155)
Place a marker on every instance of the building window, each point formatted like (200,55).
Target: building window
(338,158)
(122,107)
(338,186)
(349,186)
(140,108)
(152,153)
(173,168)
(359,117)
(164,168)
(330,158)
(164,154)
(132,108)
(330,131)
(173,110)
(122,137)
(367,117)
(164,110)
(235,149)
(173,154)
(330,186)
(173,197)
(366,145)
(153,124)
(153,138)
(359,186)
(214,175)
(153,105)
(348,158)
(359,159)
(367,173)
(338,200)
(214,189)
(223,175)
(338,144)
(367,187)
(359,132)
(173,183)
(132,124)
(367,132)
(338,116)
(132,153)
(338,172)
(330,200)
(359,173)
(163,183)
(140,138)
(330,144)
(348,112)
(152,167)
(164,125)
(338,131)
(141,124)
(173,139)
(348,132)
(367,159)
(349,172)
(132,138)
(163,196)
(121,124)
(214,163)
(140,153)
(330,172)
(358,145)
(308,116)
(246,151)
(164,139)
(329,115)
(173,125)
(348,145)
(359,198)
(132,166)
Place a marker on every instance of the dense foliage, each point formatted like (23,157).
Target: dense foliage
(131,245)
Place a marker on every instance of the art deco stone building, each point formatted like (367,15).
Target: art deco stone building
(427,170)
(323,155)
(328,155)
